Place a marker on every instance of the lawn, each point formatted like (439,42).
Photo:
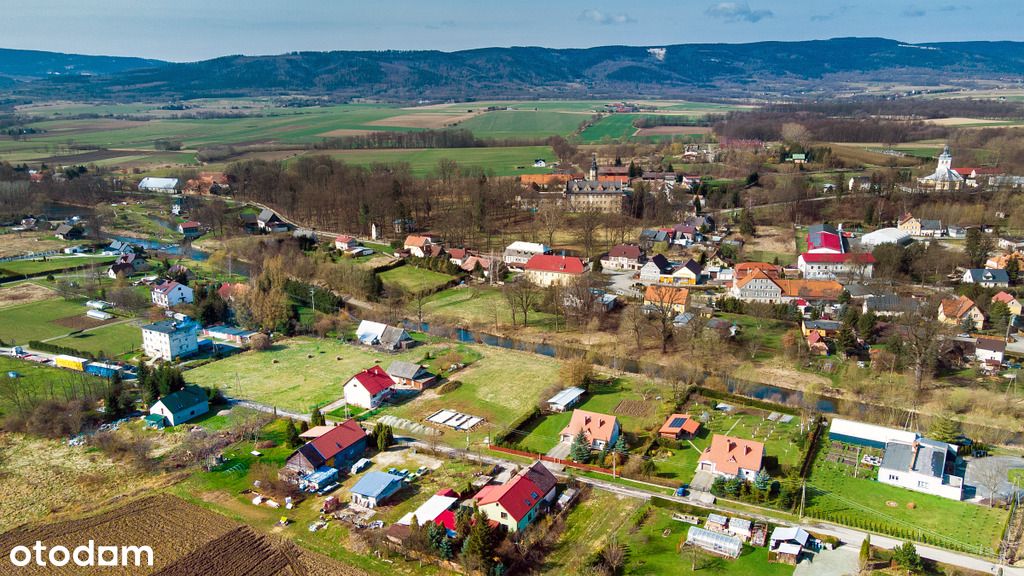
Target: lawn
(501,161)
(412,280)
(833,494)
(474,306)
(764,331)
(543,434)
(36,381)
(36,321)
(1016,475)
(297,374)
(523,124)
(24,267)
(680,463)
(587,527)
(501,387)
(655,549)
(112,340)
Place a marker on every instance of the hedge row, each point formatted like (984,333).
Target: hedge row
(747,401)
(55,349)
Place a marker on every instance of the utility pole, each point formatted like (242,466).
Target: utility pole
(803,497)
(312,300)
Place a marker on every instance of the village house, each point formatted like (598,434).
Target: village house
(787,543)
(744,269)
(655,268)
(679,427)
(816,344)
(623,257)
(659,298)
(1001,261)
(422,246)
(974,176)
(190,229)
(269,221)
(986,278)
(170,339)
(732,457)
(518,253)
(923,465)
(920,228)
(990,351)
(961,311)
(335,447)
(369,388)
(375,488)
(689,273)
(229,292)
(824,328)
(548,269)
(69,232)
(433,511)
(178,407)
(1012,304)
(825,239)
(517,503)
(890,305)
(859,184)
(829,266)
(345,243)
(600,430)
(390,338)
(170,293)
(410,375)
(759,287)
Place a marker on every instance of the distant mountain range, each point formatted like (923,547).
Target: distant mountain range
(820,67)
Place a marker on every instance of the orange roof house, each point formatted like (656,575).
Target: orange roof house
(600,429)
(1012,304)
(956,311)
(730,456)
(547,180)
(743,269)
(679,426)
(664,297)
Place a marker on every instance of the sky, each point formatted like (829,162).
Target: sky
(186,30)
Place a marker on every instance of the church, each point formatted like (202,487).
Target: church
(944,178)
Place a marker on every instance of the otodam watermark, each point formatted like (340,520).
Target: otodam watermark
(86,555)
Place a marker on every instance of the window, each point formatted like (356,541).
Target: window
(504,515)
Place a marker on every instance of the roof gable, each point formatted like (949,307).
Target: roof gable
(374,380)
(338,439)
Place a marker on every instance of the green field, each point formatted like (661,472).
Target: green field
(411,280)
(501,161)
(611,127)
(523,124)
(834,494)
(36,321)
(36,382)
(653,550)
(603,398)
(501,387)
(23,267)
(477,306)
(113,340)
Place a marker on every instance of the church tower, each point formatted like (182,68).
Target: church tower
(593,168)
(945,160)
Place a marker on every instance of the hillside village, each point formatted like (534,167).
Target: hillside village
(408,390)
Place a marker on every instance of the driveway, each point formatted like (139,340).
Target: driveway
(842,561)
(561,450)
(980,469)
(702,481)
(622,283)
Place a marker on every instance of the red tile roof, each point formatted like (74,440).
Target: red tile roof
(666,295)
(630,251)
(744,269)
(446,519)
(418,241)
(165,287)
(594,425)
(457,253)
(1004,297)
(825,240)
(689,425)
(956,307)
(374,380)
(517,496)
(338,438)
(729,454)
(554,263)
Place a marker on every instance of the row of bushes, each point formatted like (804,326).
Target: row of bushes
(55,349)
(900,532)
(449,386)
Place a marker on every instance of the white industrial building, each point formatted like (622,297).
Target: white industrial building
(167,185)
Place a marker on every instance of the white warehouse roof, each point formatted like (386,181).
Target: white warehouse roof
(885,236)
(521,246)
(150,183)
(871,432)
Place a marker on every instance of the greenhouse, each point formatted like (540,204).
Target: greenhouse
(721,544)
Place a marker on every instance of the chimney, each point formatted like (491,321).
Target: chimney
(915,447)
(586,419)
(600,423)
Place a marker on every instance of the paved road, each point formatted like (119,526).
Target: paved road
(851,537)
(979,469)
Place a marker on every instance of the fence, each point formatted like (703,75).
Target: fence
(553,460)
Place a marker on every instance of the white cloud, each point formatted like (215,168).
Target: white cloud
(738,12)
(604,18)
